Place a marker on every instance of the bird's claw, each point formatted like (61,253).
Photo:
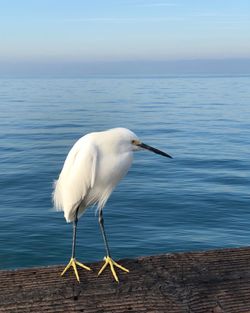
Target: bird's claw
(73,262)
(112,264)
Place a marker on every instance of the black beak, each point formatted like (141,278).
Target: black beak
(144,146)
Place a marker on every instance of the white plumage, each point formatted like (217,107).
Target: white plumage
(92,169)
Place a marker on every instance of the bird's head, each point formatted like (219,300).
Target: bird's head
(138,145)
(128,141)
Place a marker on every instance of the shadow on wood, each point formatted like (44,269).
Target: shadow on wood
(214,281)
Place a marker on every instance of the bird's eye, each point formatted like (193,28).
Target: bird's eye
(133,141)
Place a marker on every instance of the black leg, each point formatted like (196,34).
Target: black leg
(107,259)
(73,262)
(101,222)
(74,234)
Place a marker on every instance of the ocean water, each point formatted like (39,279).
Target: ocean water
(198,200)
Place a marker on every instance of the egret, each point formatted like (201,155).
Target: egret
(91,171)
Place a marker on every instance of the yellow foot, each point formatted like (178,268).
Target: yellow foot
(112,263)
(73,263)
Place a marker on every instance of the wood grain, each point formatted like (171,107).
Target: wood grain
(215,281)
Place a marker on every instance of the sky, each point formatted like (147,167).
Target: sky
(94,36)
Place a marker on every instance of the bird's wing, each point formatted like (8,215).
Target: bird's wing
(77,177)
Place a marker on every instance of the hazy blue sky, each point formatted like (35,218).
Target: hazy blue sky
(53,32)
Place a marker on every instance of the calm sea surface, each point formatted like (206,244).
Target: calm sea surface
(199,200)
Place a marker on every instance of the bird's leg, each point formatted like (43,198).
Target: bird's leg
(101,222)
(108,260)
(73,262)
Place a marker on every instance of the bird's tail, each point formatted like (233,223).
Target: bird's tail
(57,197)
(61,205)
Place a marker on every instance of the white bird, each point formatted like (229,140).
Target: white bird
(91,171)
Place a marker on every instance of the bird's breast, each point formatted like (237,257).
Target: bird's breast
(109,172)
(111,169)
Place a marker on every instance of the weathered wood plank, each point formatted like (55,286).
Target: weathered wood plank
(215,281)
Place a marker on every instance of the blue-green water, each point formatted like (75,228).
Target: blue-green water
(199,200)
